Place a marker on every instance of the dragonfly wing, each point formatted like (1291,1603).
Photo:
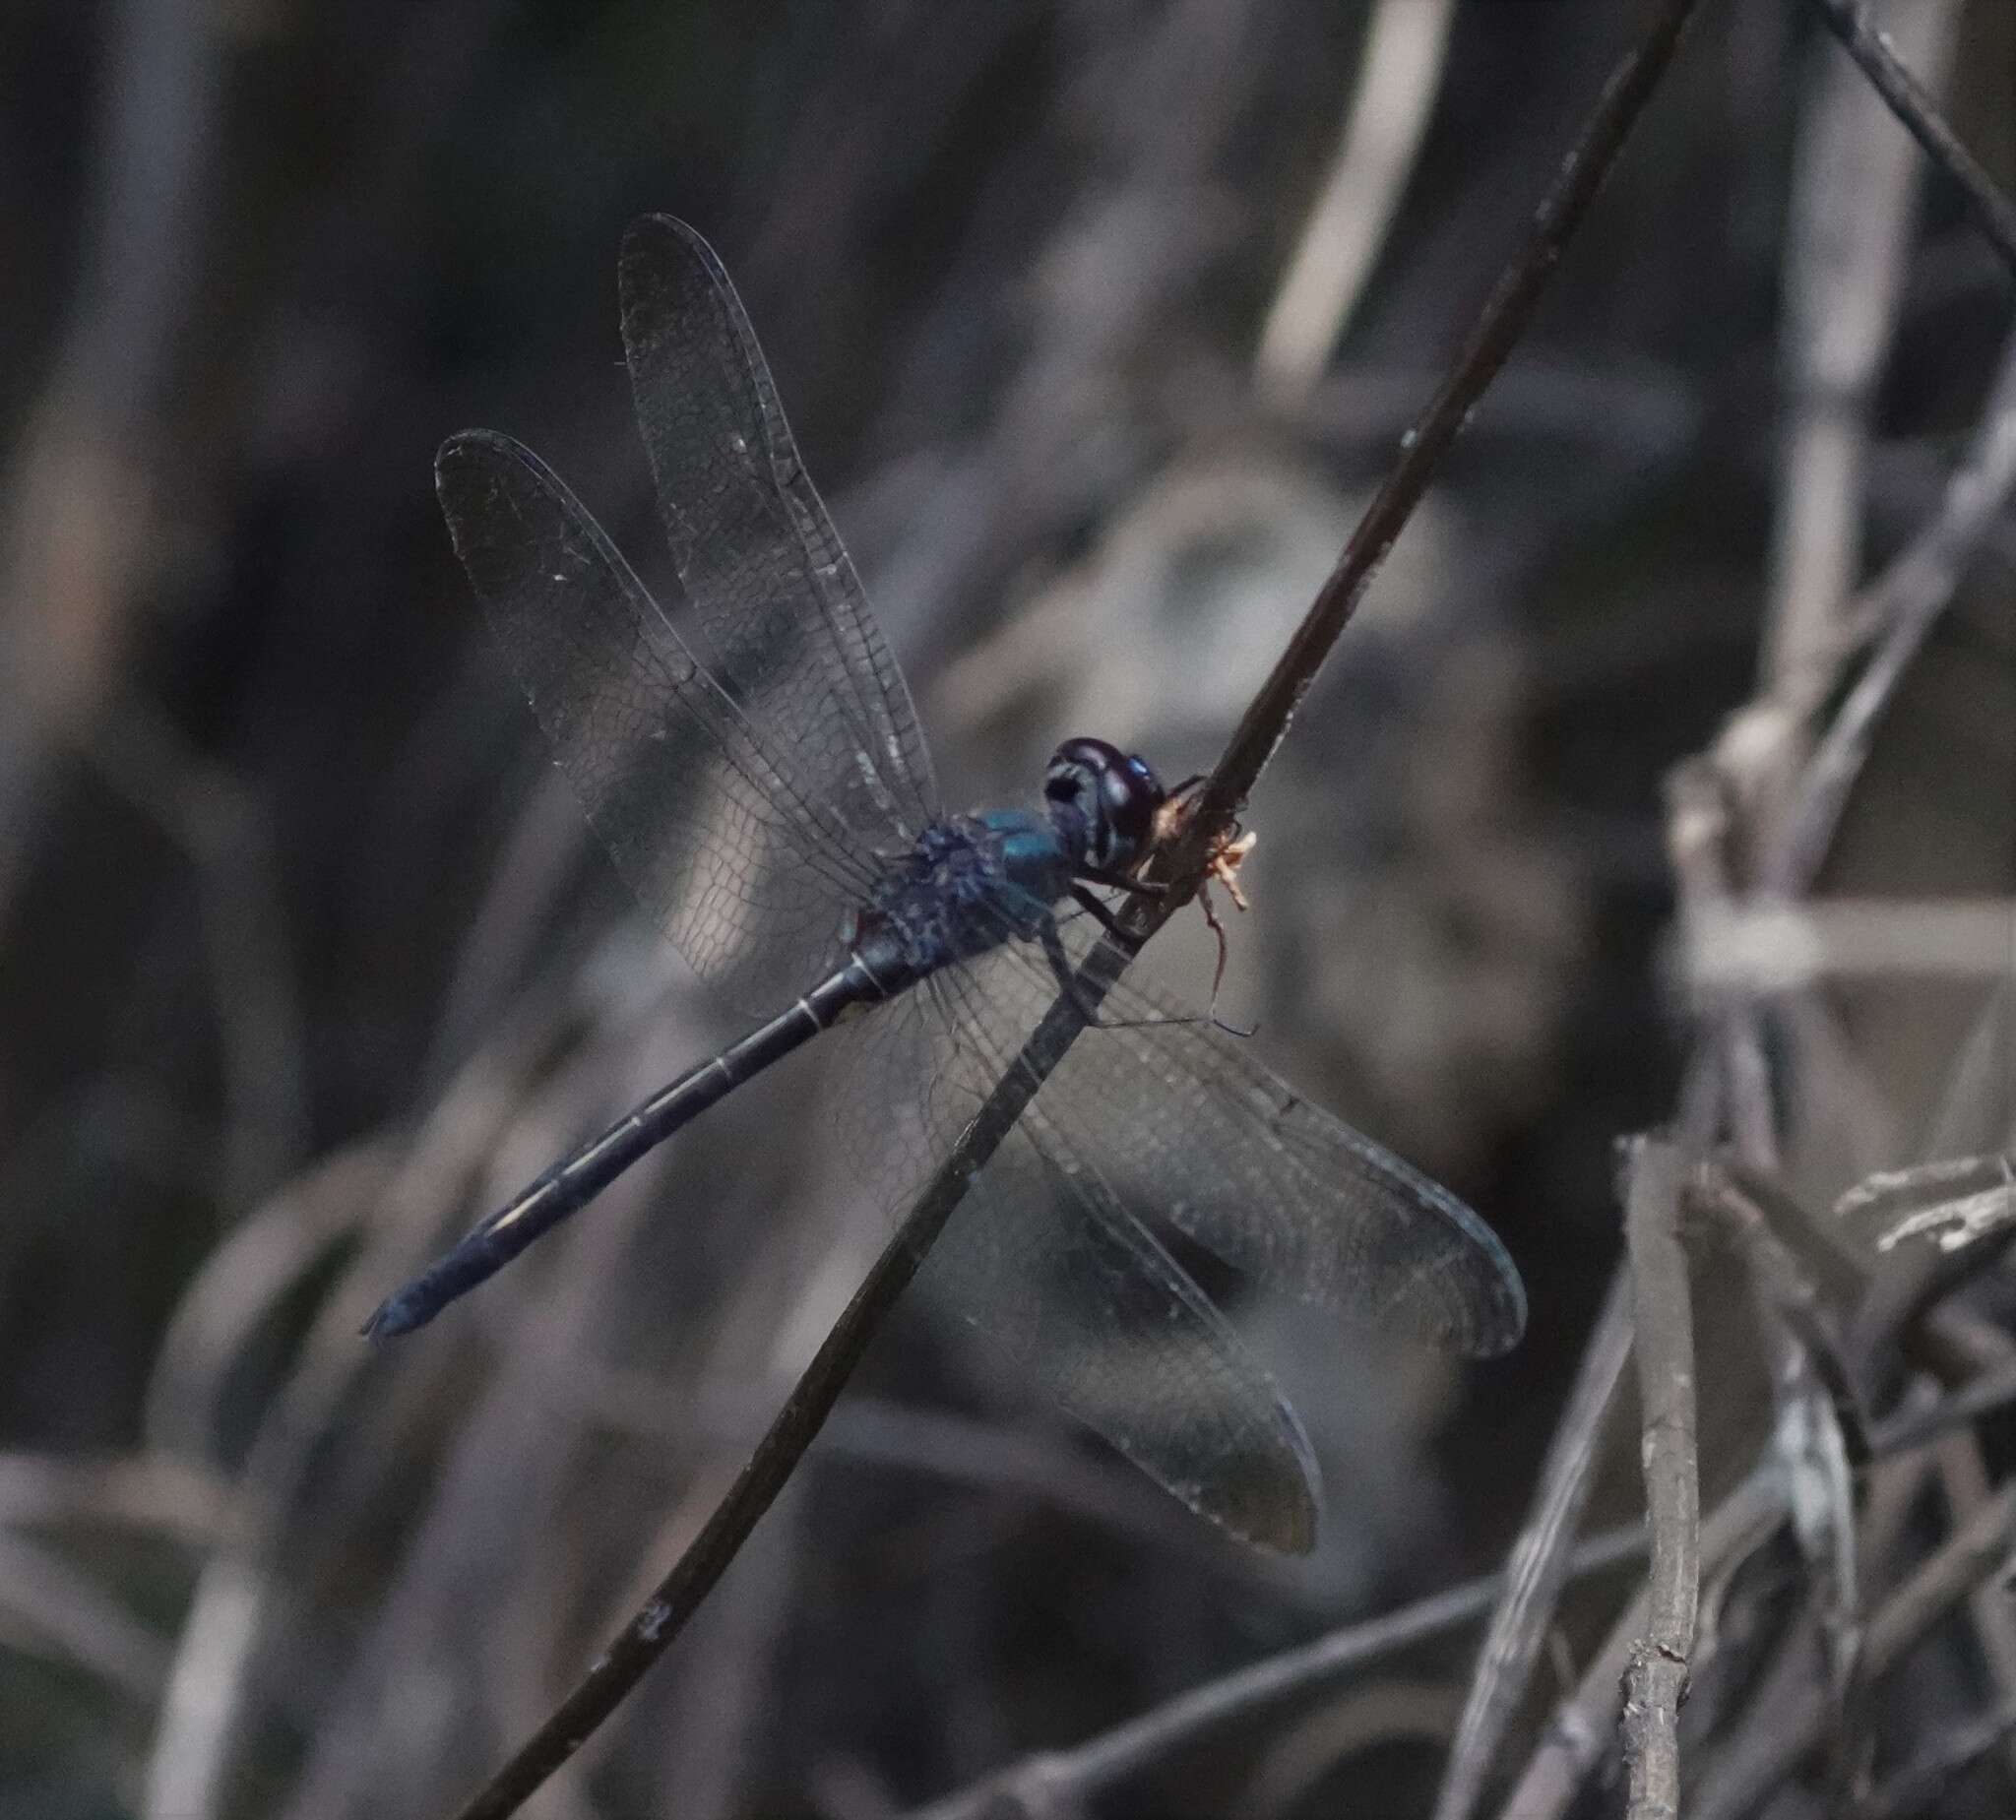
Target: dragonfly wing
(784,619)
(1188,1124)
(1045,1260)
(748,876)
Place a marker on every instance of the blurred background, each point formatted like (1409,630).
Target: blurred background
(1098,322)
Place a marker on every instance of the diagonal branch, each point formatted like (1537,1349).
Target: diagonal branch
(1497,329)
(1993,213)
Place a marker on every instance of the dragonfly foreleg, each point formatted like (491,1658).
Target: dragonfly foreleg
(1066,976)
(1069,984)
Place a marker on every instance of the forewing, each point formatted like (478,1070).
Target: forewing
(748,878)
(784,619)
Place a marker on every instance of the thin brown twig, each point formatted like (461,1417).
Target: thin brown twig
(1500,324)
(1657,1678)
(1992,211)
(1583,1722)
(1537,1568)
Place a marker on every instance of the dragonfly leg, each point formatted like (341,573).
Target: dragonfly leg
(1067,980)
(1060,962)
(1217,928)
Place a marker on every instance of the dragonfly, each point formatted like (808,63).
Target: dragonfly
(750,756)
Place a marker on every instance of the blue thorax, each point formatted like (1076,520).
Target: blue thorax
(971,881)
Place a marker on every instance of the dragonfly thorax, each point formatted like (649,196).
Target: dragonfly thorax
(969,883)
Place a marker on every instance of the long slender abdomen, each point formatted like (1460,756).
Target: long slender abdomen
(577,1179)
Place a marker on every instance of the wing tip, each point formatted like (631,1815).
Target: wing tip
(1282,1491)
(649,230)
(469,450)
(1494,1306)
(465,442)
(1505,1324)
(1278,1519)
(1297,1538)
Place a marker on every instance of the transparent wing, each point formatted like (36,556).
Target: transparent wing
(1156,1114)
(710,824)
(1043,1258)
(781,614)
(1187,1124)
(1056,1274)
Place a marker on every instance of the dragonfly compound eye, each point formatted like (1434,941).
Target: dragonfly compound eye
(1118,796)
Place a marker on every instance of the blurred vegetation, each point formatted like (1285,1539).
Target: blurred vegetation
(306,959)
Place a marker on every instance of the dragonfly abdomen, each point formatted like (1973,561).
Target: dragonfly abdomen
(570,1184)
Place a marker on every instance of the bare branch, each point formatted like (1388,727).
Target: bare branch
(1658,1675)
(1993,213)
(1503,320)
(1581,1726)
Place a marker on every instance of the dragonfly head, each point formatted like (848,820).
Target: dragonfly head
(1103,801)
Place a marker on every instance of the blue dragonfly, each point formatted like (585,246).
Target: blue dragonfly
(752,760)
